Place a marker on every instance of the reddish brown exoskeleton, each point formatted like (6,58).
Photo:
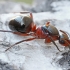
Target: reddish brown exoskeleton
(24,26)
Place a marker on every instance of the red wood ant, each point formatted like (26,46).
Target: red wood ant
(24,26)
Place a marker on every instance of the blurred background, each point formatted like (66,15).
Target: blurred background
(25,1)
(7,6)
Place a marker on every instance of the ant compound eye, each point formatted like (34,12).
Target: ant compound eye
(62,41)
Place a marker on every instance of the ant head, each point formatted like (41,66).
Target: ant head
(64,39)
(64,35)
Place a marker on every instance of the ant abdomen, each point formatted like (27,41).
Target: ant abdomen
(20,23)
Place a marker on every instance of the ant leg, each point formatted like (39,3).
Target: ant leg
(6,31)
(25,12)
(18,33)
(22,12)
(54,43)
(21,34)
(20,42)
(64,32)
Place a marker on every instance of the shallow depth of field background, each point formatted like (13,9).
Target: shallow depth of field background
(26,1)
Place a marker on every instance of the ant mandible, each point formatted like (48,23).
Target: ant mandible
(24,26)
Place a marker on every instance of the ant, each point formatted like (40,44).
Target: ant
(24,26)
